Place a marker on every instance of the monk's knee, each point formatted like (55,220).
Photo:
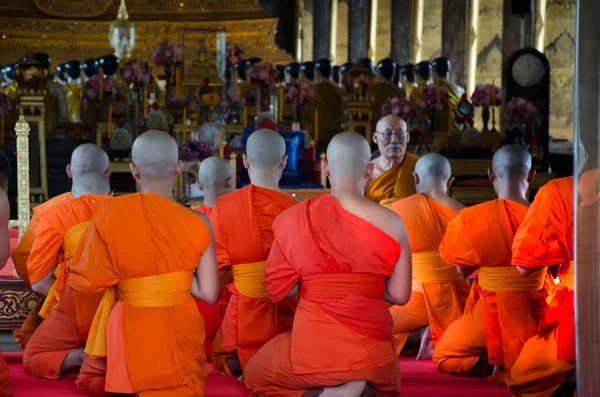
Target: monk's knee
(92,385)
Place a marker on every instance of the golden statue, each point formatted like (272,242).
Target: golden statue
(424,79)
(384,88)
(74,87)
(407,78)
(122,34)
(441,73)
(329,102)
(205,64)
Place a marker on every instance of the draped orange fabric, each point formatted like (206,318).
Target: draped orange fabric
(242,221)
(204,209)
(396,183)
(6,388)
(150,350)
(481,237)
(437,304)
(342,329)
(546,238)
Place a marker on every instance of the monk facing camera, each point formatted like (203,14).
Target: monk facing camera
(344,257)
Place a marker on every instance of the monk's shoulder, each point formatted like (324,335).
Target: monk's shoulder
(385,219)
(53,202)
(406,206)
(476,212)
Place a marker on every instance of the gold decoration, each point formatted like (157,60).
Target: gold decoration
(22,131)
(16,301)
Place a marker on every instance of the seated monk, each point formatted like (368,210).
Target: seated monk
(57,345)
(6,388)
(545,238)
(508,307)
(243,235)
(344,256)
(439,293)
(392,174)
(85,159)
(215,178)
(142,250)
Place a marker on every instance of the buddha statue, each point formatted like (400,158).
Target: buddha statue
(122,34)
(89,68)
(205,64)
(423,75)
(328,101)
(57,108)
(74,87)
(61,77)
(407,78)
(441,73)
(110,68)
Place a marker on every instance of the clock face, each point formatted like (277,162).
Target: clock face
(465,108)
(528,70)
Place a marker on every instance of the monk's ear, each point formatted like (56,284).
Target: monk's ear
(134,171)
(69,171)
(229,183)
(107,173)
(376,138)
(531,176)
(450,180)
(245,161)
(491,175)
(283,163)
(416,177)
(199,185)
(326,165)
(179,168)
(370,169)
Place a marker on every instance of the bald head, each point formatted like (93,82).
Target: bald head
(265,149)
(90,184)
(511,163)
(214,171)
(432,171)
(88,158)
(155,155)
(348,156)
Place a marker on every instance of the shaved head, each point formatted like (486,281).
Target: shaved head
(90,184)
(511,163)
(155,155)
(432,169)
(348,156)
(88,158)
(214,171)
(265,148)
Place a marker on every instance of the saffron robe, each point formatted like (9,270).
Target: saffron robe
(20,255)
(6,388)
(67,330)
(439,293)
(204,209)
(242,222)
(342,329)
(394,184)
(546,238)
(481,237)
(154,346)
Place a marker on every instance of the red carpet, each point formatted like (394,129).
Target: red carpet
(419,379)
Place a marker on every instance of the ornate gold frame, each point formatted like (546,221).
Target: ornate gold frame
(23,200)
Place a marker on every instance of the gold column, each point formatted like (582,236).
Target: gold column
(307,31)
(431,41)
(372,51)
(23,199)
(540,25)
(299,27)
(341,52)
(333,31)
(472,32)
(417,31)
(383,31)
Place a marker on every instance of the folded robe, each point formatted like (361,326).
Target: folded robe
(439,292)
(512,305)
(342,329)
(242,221)
(147,247)
(394,184)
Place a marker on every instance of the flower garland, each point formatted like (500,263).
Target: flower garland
(238,55)
(165,52)
(520,109)
(91,88)
(482,96)
(197,150)
(130,72)
(429,97)
(257,73)
(292,92)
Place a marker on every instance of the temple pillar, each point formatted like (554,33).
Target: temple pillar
(432,30)
(490,41)
(402,30)
(307,31)
(381,35)
(321,26)
(357,29)
(341,32)
(454,30)
(511,30)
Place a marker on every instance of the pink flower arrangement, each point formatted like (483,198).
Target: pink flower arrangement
(428,97)
(401,107)
(238,55)
(482,96)
(163,53)
(91,88)
(292,92)
(130,72)
(197,150)
(5,104)
(520,109)
(257,73)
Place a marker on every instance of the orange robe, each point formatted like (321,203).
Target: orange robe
(242,222)
(439,293)
(546,238)
(342,329)
(20,255)
(6,388)
(394,184)
(147,247)
(512,305)
(57,235)
(204,209)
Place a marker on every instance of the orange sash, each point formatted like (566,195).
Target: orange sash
(429,267)
(507,279)
(249,279)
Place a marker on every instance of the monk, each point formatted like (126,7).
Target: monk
(344,256)
(215,178)
(56,347)
(508,307)
(545,238)
(6,388)
(392,173)
(243,234)
(439,293)
(85,159)
(142,250)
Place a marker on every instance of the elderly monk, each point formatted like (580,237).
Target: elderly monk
(147,252)
(509,307)
(439,293)
(545,238)
(6,389)
(85,159)
(344,256)
(215,178)
(392,173)
(243,222)
(57,345)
